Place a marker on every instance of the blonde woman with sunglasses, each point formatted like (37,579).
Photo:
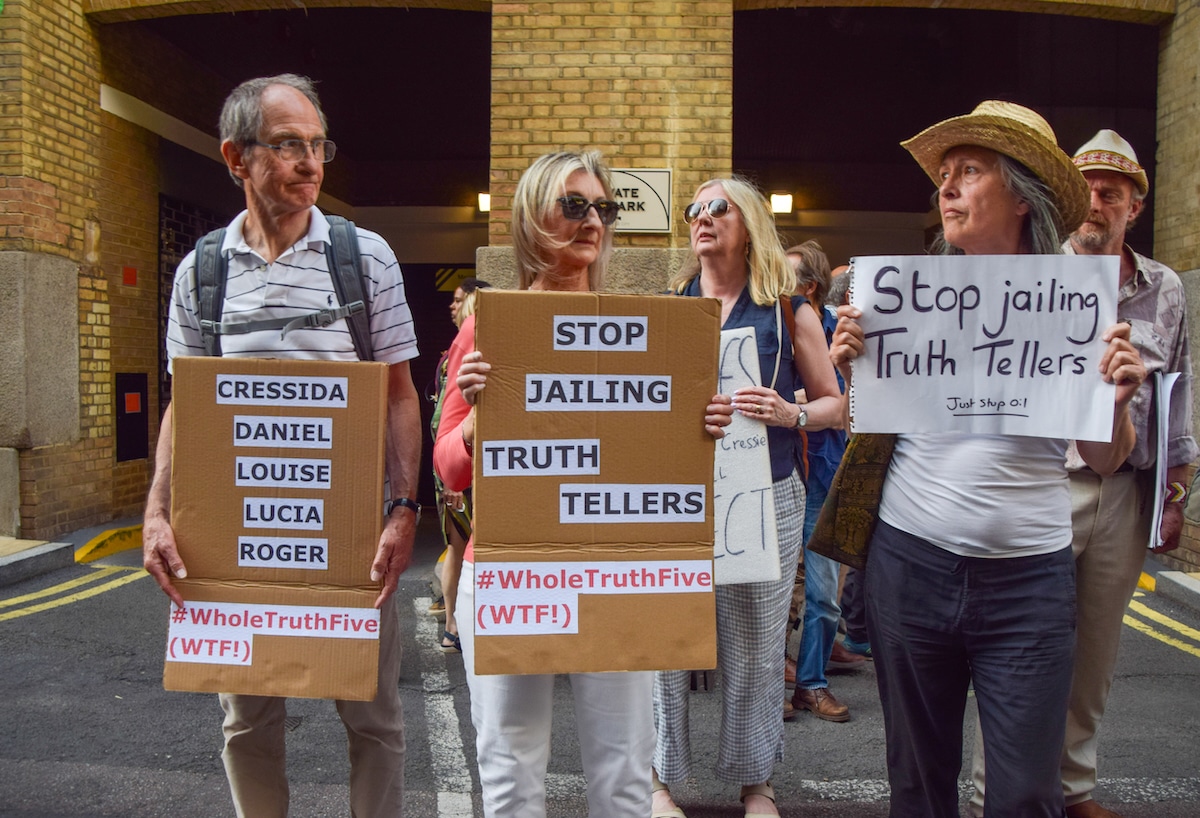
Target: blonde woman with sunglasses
(563,214)
(740,260)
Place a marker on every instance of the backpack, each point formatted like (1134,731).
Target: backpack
(345,268)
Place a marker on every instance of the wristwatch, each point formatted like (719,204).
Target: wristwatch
(390,506)
(802,418)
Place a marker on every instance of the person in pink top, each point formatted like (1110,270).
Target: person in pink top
(563,214)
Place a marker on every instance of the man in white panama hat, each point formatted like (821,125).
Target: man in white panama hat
(1111,516)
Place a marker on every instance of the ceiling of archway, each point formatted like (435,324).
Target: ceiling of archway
(406,91)
(822,96)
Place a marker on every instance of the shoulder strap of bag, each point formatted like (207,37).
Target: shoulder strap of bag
(345,267)
(211,270)
(783,308)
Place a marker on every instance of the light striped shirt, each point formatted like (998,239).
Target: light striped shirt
(297,283)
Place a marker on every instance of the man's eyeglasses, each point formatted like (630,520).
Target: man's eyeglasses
(293,150)
(716,209)
(576,208)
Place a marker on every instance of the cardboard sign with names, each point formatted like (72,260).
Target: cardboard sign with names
(984,344)
(276,503)
(593,483)
(746,545)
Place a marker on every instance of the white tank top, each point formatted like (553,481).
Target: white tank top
(980,495)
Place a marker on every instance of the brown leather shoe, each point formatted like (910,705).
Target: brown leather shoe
(842,659)
(821,702)
(789,672)
(1090,809)
(789,712)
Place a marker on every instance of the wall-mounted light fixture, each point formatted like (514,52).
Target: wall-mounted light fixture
(485,202)
(781,203)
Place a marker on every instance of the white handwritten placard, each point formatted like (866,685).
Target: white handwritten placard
(984,344)
(745,542)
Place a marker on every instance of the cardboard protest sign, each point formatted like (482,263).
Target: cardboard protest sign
(746,547)
(985,344)
(593,483)
(276,493)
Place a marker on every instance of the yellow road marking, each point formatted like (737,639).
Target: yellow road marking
(1147,582)
(110,542)
(96,574)
(130,575)
(1150,613)
(1142,627)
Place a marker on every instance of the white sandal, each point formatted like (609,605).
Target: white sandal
(759,789)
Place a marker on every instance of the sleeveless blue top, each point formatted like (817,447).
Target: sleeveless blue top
(782,443)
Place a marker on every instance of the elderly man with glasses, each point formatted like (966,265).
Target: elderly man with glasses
(273,139)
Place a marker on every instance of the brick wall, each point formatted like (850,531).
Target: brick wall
(1176,194)
(49,121)
(648,83)
(49,84)
(1176,197)
(128,193)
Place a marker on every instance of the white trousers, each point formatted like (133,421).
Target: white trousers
(512,717)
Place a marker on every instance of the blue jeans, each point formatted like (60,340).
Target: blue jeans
(821,611)
(938,622)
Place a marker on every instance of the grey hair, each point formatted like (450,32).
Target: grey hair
(813,268)
(242,114)
(838,289)
(1042,231)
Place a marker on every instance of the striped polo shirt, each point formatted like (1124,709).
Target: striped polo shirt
(295,284)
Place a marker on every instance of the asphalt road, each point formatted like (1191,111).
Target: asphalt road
(87,730)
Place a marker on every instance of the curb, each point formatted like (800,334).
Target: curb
(1179,587)
(109,542)
(41,559)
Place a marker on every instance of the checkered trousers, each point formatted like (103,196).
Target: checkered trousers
(751,623)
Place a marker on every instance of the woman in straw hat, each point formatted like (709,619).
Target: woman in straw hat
(971,575)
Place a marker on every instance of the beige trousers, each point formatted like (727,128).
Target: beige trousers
(254,755)
(1110,518)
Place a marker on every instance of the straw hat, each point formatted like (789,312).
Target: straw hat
(1016,132)
(1108,151)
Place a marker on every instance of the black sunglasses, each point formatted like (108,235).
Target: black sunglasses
(716,209)
(576,208)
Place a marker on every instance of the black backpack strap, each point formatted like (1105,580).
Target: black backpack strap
(211,270)
(345,267)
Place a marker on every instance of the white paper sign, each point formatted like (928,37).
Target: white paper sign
(984,344)
(1164,382)
(746,542)
(522,598)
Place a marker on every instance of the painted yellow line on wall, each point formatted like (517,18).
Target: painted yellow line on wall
(1142,627)
(54,590)
(1162,619)
(131,574)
